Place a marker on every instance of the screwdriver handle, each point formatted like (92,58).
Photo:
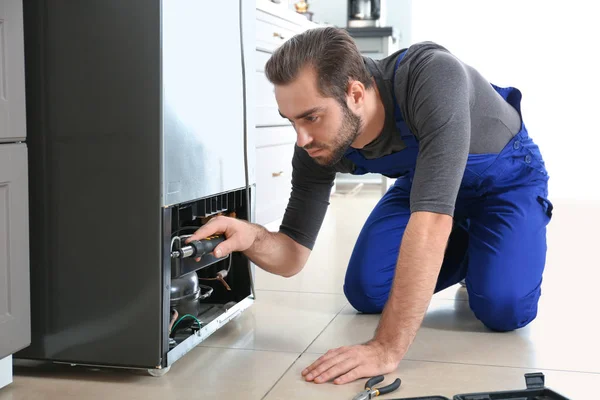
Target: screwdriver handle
(198,248)
(205,246)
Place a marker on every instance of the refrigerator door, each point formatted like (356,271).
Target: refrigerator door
(15,325)
(203,109)
(12,75)
(93,120)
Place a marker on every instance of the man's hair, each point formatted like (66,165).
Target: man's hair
(330,51)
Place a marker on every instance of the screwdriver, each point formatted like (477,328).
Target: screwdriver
(198,248)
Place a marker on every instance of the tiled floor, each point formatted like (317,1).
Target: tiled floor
(260,354)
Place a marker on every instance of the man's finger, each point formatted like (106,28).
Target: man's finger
(326,364)
(226,247)
(338,369)
(324,357)
(212,227)
(350,376)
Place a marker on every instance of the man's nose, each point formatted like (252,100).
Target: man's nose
(303,138)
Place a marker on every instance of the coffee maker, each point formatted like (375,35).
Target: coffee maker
(364,13)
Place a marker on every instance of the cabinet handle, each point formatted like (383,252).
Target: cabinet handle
(279,35)
(276,174)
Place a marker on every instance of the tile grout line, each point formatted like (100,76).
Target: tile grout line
(304,351)
(503,366)
(341,294)
(245,349)
(296,291)
(487,365)
(323,330)
(281,377)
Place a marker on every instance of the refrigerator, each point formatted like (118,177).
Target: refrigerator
(139,133)
(14,226)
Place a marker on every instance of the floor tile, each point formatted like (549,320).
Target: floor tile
(421,378)
(326,267)
(455,292)
(202,373)
(279,321)
(451,333)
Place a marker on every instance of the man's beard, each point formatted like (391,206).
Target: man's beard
(348,132)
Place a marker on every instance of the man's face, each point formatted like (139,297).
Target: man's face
(324,128)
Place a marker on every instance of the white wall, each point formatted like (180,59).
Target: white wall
(549,50)
(398,14)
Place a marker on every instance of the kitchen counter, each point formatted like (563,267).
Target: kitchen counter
(371,31)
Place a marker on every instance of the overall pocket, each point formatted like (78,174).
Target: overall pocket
(547,206)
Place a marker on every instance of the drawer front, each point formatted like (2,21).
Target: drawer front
(370,45)
(267,111)
(261,58)
(273,136)
(273,181)
(270,36)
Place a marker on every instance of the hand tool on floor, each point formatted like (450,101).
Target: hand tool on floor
(197,248)
(370,392)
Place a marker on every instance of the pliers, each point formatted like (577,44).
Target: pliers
(371,392)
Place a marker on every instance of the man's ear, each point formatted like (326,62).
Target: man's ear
(356,94)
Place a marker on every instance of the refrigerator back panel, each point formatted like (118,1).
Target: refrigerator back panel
(203,114)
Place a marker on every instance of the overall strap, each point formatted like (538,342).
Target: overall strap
(397,112)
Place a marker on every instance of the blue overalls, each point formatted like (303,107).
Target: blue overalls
(498,242)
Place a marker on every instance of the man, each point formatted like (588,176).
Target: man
(470,200)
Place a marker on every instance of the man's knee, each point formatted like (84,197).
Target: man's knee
(365,297)
(505,313)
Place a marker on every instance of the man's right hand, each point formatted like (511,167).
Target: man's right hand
(274,252)
(239,235)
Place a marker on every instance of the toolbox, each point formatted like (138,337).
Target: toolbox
(536,390)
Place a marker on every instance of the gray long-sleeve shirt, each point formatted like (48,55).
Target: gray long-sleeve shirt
(452,110)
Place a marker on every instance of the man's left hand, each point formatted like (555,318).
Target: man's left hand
(348,363)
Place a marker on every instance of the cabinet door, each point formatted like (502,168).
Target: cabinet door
(15,325)
(273,181)
(12,73)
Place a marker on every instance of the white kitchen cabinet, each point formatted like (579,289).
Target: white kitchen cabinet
(5,371)
(12,74)
(274,152)
(15,320)
(275,137)
(376,47)
(267,112)
(14,254)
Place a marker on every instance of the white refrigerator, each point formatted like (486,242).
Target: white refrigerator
(14,221)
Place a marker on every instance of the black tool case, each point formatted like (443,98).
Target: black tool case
(536,390)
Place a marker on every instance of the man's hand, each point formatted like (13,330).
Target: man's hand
(239,235)
(421,256)
(274,252)
(346,364)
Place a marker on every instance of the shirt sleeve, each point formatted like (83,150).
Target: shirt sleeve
(437,93)
(309,199)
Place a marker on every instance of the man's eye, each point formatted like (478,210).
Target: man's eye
(311,118)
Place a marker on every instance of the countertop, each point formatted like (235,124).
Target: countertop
(371,31)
